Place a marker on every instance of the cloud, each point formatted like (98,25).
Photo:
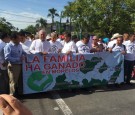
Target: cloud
(22,19)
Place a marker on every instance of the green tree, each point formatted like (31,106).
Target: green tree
(104,17)
(6,26)
(41,23)
(32,29)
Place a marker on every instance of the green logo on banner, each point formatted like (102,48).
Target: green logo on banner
(90,64)
(38,76)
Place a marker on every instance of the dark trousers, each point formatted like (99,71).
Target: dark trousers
(4,82)
(128,68)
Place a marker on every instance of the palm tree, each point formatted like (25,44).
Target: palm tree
(41,23)
(67,13)
(52,14)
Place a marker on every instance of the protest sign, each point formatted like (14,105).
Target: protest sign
(43,73)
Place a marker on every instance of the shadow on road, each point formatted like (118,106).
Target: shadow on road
(74,92)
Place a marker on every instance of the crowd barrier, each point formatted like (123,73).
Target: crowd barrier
(43,73)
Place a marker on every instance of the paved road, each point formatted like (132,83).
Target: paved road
(96,101)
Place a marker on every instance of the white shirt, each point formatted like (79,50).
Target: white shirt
(2,58)
(39,46)
(130,46)
(118,48)
(70,46)
(29,39)
(55,46)
(111,43)
(61,41)
(125,42)
(82,48)
(28,43)
(26,46)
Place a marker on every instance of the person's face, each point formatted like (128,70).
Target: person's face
(95,39)
(66,38)
(16,40)
(86,40)
(54,37)
(125,36)
(7,39)
(100,40)
(119,41)
(132,38)
(22,38)
(42,35)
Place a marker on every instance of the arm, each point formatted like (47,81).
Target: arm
(73,48)
(60,47)
(32,48)
(110,50)
(124,51)
(8,57)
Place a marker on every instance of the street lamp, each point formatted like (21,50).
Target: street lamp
(60,14)
(67,24)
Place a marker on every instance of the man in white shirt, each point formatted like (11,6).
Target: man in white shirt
(82,45)
(69,45)
(25,43)
(56,46)
(4,82)
(129,58)
(40,45)
(113,40)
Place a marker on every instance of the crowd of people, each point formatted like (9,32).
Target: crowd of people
(13,48)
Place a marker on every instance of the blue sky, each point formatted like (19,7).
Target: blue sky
(29,8)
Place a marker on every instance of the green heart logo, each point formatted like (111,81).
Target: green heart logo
(38,76)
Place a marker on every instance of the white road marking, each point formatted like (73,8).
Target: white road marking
(65,109)
(56,108)
(132,81)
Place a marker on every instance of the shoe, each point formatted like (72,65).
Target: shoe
(117,86)
(129,84)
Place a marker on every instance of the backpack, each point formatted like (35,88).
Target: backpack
(122,45)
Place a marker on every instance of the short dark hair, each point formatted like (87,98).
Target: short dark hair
(14,35)
(74,37)
(68,34)
(4,35)
(85,36)
(21,33)
(132,34)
